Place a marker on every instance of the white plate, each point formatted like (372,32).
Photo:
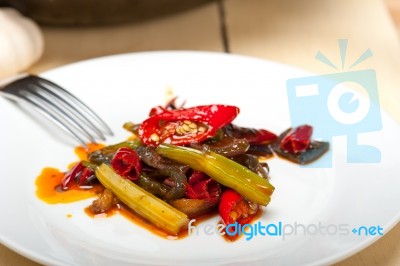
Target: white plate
(123,88)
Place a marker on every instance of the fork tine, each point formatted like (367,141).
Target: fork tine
(84,119)
(46,102)
(56,120)
(81,105)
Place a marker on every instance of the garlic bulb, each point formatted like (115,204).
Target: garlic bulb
(21,42)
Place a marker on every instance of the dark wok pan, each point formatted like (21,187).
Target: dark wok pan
(96,12)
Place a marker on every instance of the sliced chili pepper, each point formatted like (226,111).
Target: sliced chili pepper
(86,177)
(72,175)
(314,151)
(253,136)
(81,174)
(157,110)
(233,208)
(184,126)
(201,186)
(126,163)
(297,140)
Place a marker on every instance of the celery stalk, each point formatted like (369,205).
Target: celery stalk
(223,170)
(142,202)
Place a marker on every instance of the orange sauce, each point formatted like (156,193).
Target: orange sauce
(49,190)
(82,152)
(48,182)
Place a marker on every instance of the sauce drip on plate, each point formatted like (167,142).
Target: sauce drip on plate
(48,186)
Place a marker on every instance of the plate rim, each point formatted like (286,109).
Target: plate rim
(12,245)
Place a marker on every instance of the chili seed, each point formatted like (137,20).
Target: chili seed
(178,130)
(185,128)
(193,125)
(233,215)
(188,127)
(155,137)
(253,206)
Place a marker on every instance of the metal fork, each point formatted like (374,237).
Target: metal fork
(59,105)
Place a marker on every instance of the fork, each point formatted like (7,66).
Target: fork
(59,105)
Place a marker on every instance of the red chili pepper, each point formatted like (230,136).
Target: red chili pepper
(80,174)
(297,140)
(201,186)
(184,126)
(126,163)
(72,175)
(234,208)
(87,175)
(157,110)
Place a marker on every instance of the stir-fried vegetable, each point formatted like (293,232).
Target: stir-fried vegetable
(105,154)
(142,202)
(223,170)
(184,162)
(297,146)
(235,209)
(297,140)
(201,186)
(184,126)
(126,162)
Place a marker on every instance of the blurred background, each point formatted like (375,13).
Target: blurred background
(285,31)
